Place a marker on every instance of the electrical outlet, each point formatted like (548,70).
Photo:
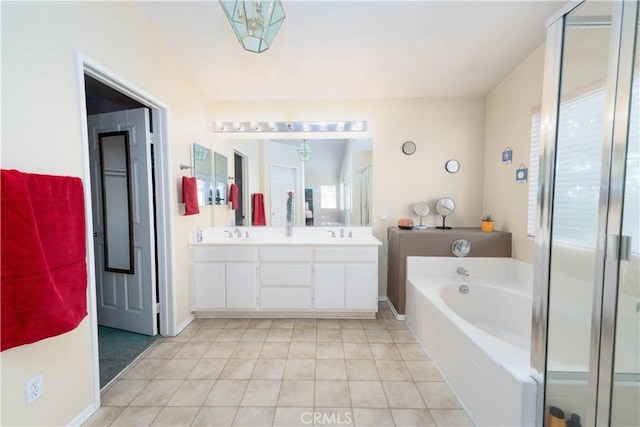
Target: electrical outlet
(34,389)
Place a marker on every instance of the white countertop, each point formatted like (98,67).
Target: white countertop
(311,236)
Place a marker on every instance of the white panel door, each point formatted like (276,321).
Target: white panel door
(361,287)
(242,281)
(328,286)
(283,179)
(208,287)
(126,301)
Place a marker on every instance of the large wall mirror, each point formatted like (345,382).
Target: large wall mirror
(221,177)
(332,187)
(203,173)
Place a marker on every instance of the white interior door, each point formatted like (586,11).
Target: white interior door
(126,301)
(283,179)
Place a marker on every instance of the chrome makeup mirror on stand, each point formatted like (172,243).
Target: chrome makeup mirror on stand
(445,206)
(421,209)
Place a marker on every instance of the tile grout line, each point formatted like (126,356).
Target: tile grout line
(397,338)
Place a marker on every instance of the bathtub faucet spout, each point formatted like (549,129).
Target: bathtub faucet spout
(462,271)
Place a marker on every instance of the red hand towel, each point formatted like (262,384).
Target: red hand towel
(257,213)
(190,195)
(233,196)
(43,274)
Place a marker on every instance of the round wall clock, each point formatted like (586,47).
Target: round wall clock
(452,166)
(409,148)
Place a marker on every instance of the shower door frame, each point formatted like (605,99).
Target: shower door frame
(619,82)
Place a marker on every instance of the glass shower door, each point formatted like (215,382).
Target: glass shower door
(573,274)
(625,397)
(587,313)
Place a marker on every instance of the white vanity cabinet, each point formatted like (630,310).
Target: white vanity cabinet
(346,278)
(271,277)
(223,278)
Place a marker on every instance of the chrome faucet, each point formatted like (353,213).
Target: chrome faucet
(238,232)
(333,234)
(341,232)
(462,271)
(229,234)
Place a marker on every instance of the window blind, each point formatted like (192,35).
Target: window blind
(578,170)
(536,122)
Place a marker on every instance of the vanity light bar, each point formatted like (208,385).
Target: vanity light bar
(349,126)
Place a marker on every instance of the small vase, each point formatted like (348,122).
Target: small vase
(487,226)
(289,228)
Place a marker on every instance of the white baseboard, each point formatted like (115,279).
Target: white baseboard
(393,310)
(184,324)
(83,416)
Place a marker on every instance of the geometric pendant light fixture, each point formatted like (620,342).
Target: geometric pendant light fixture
(255,23)
(304,151)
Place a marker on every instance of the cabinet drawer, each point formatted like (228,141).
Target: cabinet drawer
(350,254)
(278,274)
(291,254)
(285,299)
(224,254)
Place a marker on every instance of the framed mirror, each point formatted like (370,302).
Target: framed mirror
(203,173)
(117,216)
(221,174)
(445,206)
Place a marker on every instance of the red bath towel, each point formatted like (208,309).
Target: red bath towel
(233,196)
(190,195)
(43,274)
(257,210)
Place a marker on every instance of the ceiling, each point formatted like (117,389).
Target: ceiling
(356,49)
(327,156)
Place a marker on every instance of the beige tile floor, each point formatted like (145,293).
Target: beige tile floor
(283,372)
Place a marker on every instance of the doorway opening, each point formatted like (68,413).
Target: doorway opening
(103,92)
(239,162)
(122,337)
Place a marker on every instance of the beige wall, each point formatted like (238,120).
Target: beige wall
(442,128)
(508,123)
(41,133)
